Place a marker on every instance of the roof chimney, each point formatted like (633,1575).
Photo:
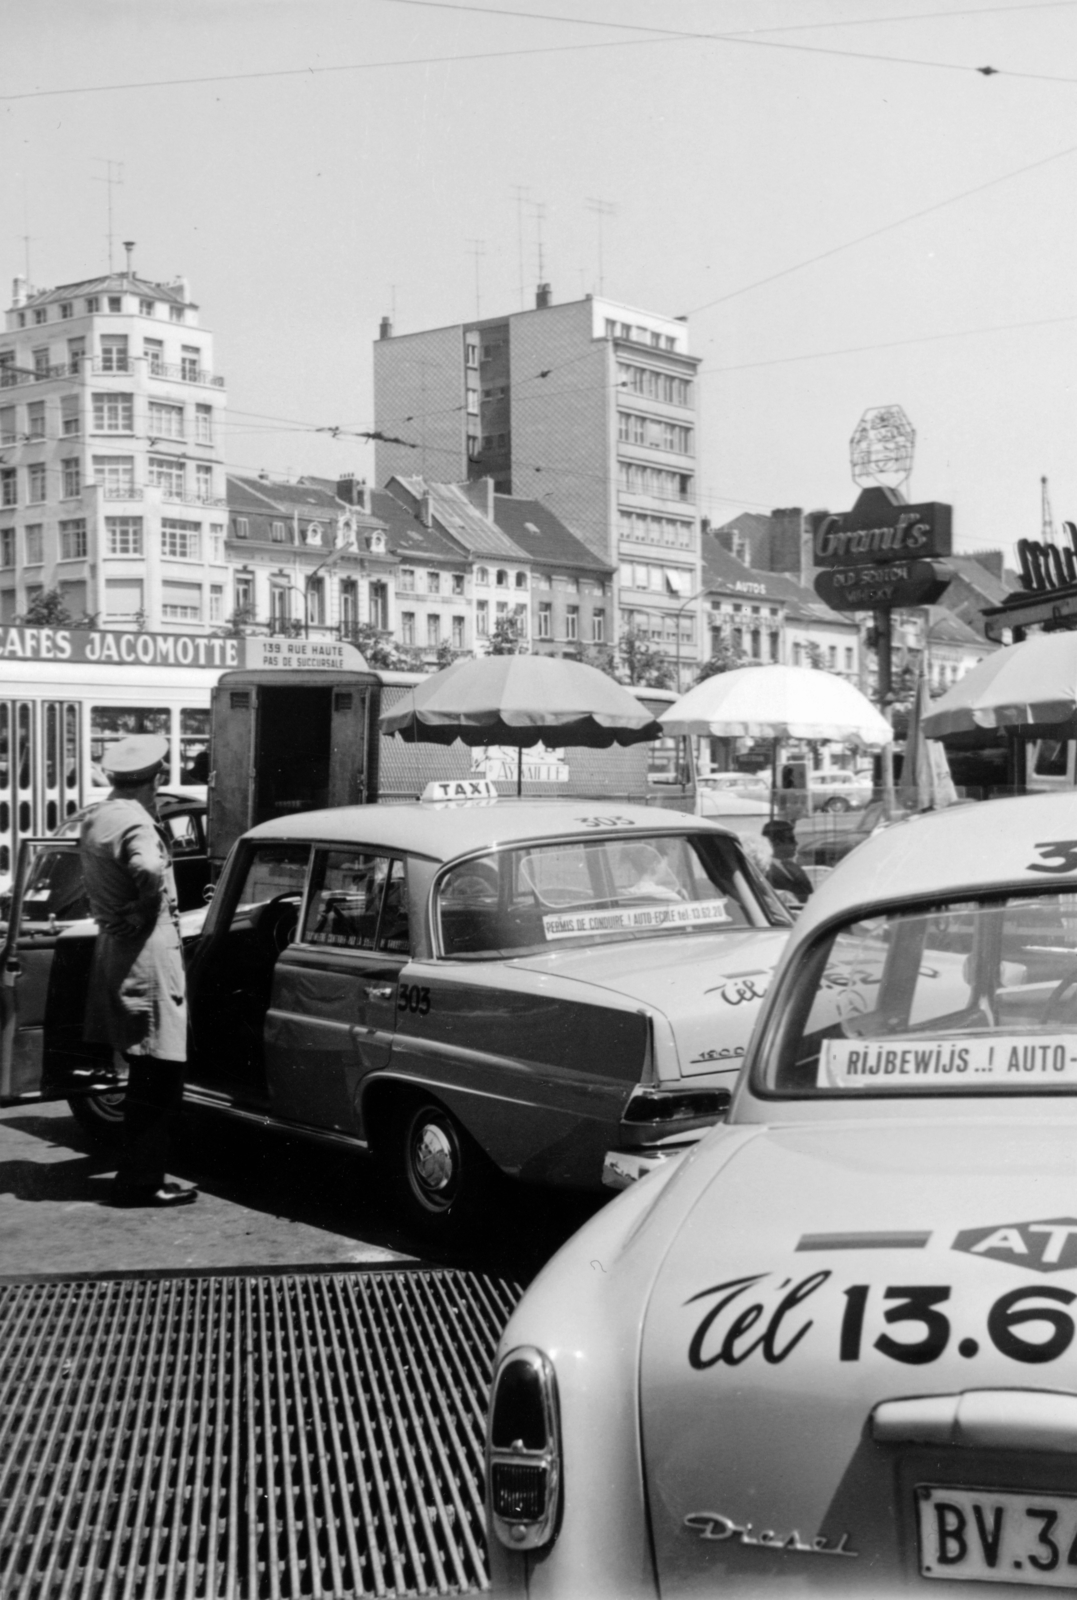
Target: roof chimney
(129,246)
(18,291)
(385,329)
(480,491)
(543,297)
(426,509)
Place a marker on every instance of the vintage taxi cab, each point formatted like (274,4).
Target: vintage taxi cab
(831,1349)
(554,990)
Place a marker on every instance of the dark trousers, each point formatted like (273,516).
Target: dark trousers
(154,1092)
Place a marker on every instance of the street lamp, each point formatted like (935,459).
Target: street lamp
(683,605)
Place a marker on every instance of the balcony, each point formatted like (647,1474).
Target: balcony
(12,377)
(177,497)
(184,374)
(125,365)
(116,491)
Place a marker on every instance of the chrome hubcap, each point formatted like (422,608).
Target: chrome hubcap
(434,1163)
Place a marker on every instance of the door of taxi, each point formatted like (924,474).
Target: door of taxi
(333,1012)
(44,974)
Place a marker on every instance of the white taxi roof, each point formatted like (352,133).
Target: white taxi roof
(964,847)
(441,830)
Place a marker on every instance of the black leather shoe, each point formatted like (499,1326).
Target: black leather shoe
(169,1194)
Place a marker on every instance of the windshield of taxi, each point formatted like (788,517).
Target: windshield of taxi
(563,892)
(966,996)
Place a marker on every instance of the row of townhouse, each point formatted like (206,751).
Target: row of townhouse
(426,565)
(769,617)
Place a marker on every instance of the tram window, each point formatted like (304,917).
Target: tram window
(108,724)
(194,745)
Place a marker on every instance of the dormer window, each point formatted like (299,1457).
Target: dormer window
(276,532)
(115,302)
(314,534)
(376,543)
(93,303)
(66,310)
(40,314)
(502,578)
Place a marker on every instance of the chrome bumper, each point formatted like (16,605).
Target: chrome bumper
(622,1168)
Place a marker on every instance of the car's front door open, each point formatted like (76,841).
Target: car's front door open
(45,963)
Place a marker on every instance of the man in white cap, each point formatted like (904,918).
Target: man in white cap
(137,1000)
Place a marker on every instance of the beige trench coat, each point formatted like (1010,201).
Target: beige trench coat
(137,1001)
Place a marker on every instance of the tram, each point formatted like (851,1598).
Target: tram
(66,694)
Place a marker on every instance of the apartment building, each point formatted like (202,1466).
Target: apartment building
(590,407)
(111,482)
(768,617)
(307,557)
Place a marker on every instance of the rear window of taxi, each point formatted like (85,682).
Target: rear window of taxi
(961,997)
(568,891)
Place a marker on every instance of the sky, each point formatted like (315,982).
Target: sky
(849,210)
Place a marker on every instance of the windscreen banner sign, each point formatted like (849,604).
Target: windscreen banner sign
(636,919)
(990,1061)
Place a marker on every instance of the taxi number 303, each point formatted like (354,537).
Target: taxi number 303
(414,998)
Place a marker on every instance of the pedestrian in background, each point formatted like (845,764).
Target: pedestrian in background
(137,1000)
(785,872)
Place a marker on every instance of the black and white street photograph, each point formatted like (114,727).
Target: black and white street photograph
(538,799)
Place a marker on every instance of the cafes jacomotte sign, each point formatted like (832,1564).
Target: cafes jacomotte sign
(133,648)
(881,553)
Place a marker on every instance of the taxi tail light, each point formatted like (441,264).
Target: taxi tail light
(523,1451)
(681,1105)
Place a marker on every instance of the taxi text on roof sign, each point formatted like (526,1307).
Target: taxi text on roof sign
(460,789)
(130,647)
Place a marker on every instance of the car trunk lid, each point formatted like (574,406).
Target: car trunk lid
(708,987)
(824,1272)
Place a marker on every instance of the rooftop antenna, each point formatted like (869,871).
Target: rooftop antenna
(521,191)
(27,237)
(1047,521)
(601,208)
(478,250)
(540,217)
(112,180)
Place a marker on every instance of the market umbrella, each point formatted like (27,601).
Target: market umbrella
(1021,686)
(926,783)
(521,701)
(778,703)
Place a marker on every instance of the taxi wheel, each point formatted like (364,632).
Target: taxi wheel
(837,802)
(442,1173)
(100,1115)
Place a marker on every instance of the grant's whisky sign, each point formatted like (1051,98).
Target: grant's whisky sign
(881,554)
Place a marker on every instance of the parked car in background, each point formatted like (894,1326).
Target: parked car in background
(839,791)
(749,785)
(831,1349)
(558,991)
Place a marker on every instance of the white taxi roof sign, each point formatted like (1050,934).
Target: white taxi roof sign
(460,789)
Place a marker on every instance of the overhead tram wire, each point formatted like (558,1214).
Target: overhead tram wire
(733,39)
(651,35)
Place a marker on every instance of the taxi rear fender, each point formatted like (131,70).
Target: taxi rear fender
(593,1337)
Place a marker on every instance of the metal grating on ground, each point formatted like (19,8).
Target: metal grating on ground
(265,1436)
